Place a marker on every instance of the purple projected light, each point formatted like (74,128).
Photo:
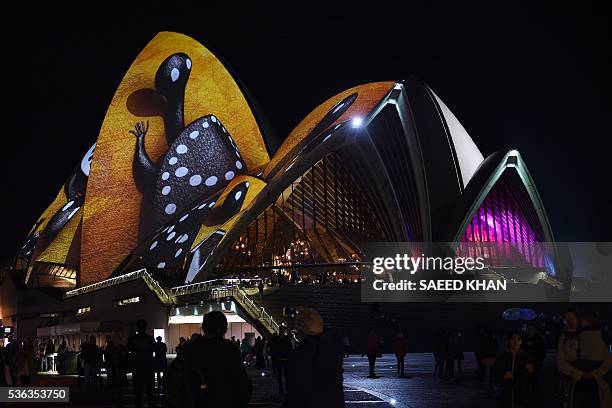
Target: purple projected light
(501,219)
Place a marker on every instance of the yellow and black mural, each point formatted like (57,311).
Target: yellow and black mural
(180,179)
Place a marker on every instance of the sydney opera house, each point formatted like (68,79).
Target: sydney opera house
(180,195)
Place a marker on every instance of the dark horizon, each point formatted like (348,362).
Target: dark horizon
(531,78)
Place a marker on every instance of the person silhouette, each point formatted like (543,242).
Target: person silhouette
(400,348)
(181,345)
(91,354)
(371,350)
(314,371)
(260,289)
(209,371)
(280,350)
(160,361)
(140,348)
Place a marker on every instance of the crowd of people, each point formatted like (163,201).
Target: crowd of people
(46,353)
(210,370)
(47,350)
(448,351)
(17,363)
(141,355)
(511,364)
(373,349)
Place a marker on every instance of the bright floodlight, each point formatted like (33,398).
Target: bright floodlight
(392,401)
(356,122)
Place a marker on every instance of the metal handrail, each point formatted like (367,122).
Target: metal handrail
(256,311)
(205,285)
(264,316)
(156,287)
(130,276)
(105,283)
(218,287)
(197,287)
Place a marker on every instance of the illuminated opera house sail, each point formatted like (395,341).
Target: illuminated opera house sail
(180,181)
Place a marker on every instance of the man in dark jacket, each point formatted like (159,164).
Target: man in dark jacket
(90,353)
(140,349)
(280,349)
(160,361)
(209,371)
(314,373)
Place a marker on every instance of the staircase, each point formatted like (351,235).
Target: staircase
(256,312)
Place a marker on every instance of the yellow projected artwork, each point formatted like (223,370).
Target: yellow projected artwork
(114,219)
(179,162)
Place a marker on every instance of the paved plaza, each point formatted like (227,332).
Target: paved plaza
(420,390)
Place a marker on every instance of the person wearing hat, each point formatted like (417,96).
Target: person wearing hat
(314,373)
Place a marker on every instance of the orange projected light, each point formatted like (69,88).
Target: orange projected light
(367,97)
(114,218)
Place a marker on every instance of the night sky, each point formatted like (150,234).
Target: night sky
(534,78)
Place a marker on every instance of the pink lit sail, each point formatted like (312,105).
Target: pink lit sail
(508,222)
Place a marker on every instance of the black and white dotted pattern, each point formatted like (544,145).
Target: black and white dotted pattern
(202,161)
(169,247)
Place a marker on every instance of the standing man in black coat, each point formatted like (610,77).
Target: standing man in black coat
(160,361)
(280,349)
(90,353)
(140,349)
